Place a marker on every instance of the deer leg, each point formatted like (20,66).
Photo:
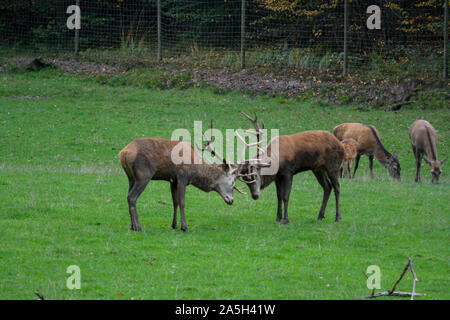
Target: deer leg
(349,168)
(173,189)
(287,186)
(418,165)
(371,166)
(181,192)
(279,187)
(322,178)
(356,164)
(134,193)
(336,187)
(131,182)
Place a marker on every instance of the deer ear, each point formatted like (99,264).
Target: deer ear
(427,161)
(225,166)
(442,161)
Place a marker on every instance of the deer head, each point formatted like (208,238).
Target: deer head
(436,169)
(225,183)
(393,166)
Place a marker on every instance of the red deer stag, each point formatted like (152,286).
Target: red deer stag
(424,140)
(369,143)
(318,151)
(151,159)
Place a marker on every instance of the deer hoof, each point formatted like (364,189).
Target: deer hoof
(320,217)
(136,228)
(285,221)
(338,218)
(174,226)
(278,219)
(185,229)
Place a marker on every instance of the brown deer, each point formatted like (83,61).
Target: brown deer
(350,152)
(369,143)
(148,159)
(424,140)
(318,151)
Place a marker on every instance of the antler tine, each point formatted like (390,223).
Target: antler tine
(258,131)
(246,146)
(254,121)
(244,181)
(210,149)
(239,190)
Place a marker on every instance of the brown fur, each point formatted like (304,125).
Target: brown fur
(424,141)
(369,143)
(350,152)
(309,150)
(318,151)
(150,159)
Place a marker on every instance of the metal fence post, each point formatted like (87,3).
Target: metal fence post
(159,32)
(77,34)
(345,70)
(445,29)
(243,35)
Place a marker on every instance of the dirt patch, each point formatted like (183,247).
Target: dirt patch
(338,90)
(263,83)
(71,65)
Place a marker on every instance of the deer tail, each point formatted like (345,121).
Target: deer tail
(126,160)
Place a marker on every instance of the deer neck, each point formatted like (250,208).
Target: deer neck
(430,146)
(205,176)
(267,180)
(379,150)
(382,155)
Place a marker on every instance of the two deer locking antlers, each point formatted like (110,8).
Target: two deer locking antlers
(146,159)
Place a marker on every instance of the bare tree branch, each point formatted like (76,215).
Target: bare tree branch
(392,292)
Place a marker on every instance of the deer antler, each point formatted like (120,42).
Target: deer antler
(239,190)
(258,133)
(210,149)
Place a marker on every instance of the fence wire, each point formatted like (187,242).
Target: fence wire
(299,34)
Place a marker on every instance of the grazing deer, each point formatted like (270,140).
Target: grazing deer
(318,151)
(151,159)
(369,143)
(424,140)
(350,152)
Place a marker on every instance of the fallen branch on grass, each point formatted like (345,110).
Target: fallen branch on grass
(392,292)
(40,296)
(399,105)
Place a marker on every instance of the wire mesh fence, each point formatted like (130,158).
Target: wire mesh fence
(391,36)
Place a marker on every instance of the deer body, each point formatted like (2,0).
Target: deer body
(369,143)
(318,151)
(424,141)
(151,159)
(350,152)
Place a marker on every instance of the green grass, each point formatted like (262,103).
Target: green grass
(63,202)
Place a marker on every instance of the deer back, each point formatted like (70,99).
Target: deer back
(368,138)
(156,154)
(424,138)
(309,150)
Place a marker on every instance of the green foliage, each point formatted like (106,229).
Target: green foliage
(345,99)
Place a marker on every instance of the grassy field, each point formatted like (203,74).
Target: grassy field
(63,202)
